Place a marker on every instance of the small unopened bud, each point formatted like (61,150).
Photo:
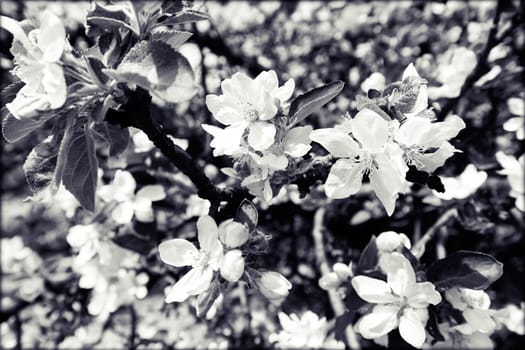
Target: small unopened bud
(233,234)
(343,271)
(273,286)
(390,241)
(232,266)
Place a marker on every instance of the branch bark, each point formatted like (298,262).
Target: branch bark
(419,248)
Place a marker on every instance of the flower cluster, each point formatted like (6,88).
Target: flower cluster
(256,135)
(38,65)
(382,149)
(221,254)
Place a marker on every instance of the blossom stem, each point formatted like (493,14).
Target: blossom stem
(419,248)
(335,301)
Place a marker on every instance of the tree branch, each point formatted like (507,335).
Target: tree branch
(320,256)
(419,248)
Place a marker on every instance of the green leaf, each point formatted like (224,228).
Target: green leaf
(80,168)
(187,16)
(247,214)
(207,298)
(304,105)
(106,18)
(115,136)
(369,257)
(14,129)
(465,269)
(158,68)
(173,38)
(39,166)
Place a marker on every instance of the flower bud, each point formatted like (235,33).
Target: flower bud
(233,234)
(343,271)
(390,241)
(330,281)
(273,285)
(232,265)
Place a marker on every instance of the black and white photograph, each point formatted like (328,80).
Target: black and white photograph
(226,174)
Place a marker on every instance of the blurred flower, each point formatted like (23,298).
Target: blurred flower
(37,56)
(17,258)
(130,204)
(233,234)
(425,144)
(474,305)
(514,169)
(375,81)
(247,104)
(401,302)
(85,240)
(309,331)
(516,106)
(513,317)
(180,252)
(462,186)
(373,154)
(273,286)
(457,340)
(454,66)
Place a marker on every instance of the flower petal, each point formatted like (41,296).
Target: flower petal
(400,273)
(266,107)
(379,322)
(480,320)
(345,179)
(411,328)
(123,213)
(387,182)
(54,84)
(208,234)
(196,281)
(224,109)
(373,290)
(369,128)
(422,294)
(336,141)
(285,92)
(151,192)
(178,252)
(261,135)
(226,141)
(51,36)
(297,141)
(268,80)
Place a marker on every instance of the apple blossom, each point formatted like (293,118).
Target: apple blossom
(37,57)
(474,305)
(425,144)
(249,104)
(368,151)
(340,275)
(180,252)
(401,302)
(390,241)
(462,186)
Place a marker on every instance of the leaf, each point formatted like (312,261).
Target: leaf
(432,325)
(115,136)
(342,322)
(187,16)
(80,168)
(247,214)
(94,67)
(403,95)
(207,298)
(465,269)
(135,242)
(158,68)
(14,129)
(105,18)
(174,38)
(39,166)
(9,92)
(304,105)
(369,257)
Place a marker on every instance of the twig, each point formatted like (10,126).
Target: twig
(335,301)
(419,248)
(133,332)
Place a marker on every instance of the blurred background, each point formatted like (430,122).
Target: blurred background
(472,71)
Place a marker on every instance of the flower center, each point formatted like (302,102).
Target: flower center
(249,112)
(367,161)
(203,259)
